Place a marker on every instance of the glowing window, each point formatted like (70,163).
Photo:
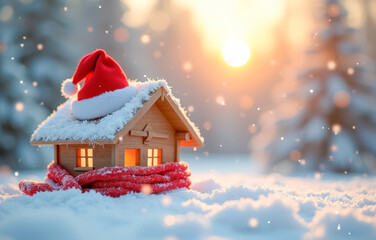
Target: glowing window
(154,156)
(84,157)
(131,157)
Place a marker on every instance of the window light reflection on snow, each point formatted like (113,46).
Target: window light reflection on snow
(170,237)
(317,175)
(253,222)
(166,200)
(169,220)
(319,232)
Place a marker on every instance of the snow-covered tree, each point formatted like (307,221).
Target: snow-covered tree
(33,57)
(41,43)
(328,121)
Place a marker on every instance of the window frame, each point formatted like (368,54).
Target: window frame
(155,158)
(88,160)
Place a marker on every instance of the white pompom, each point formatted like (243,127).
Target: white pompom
(68,88)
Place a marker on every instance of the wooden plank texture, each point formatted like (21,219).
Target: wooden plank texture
(156,120)
(101,156)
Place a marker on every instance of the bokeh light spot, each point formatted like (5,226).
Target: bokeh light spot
(6,13)
(246,102)
(157,54)
(334,148)
(220,100)
(40,46)
(187,66)
(333,10)
(252,128)
(336,128)
(331,65)
(3,47)
(159,21)
(191,108)
(145,39)
(295,155)
(121,34)
(19,106)
(341,99)
(207,126)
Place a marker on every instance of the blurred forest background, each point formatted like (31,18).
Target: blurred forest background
(41,42)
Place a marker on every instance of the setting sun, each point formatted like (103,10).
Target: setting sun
(236,52)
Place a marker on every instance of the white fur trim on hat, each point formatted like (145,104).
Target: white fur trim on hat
(103,104)
(68,88)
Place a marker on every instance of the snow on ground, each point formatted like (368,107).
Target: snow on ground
(228,200)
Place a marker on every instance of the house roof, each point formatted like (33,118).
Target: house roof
(62,127)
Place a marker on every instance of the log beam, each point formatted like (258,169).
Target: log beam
(182,136)
(148,133)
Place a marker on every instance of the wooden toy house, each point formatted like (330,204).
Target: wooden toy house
(147,131)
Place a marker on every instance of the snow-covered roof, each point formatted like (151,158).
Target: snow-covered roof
(61,125)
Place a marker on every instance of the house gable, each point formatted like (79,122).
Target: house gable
(173,114)
(158,134)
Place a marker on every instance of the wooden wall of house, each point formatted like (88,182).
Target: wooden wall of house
(159,123)
(102,156)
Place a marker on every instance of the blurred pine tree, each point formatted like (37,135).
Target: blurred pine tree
(34,58)
(41,43)
(327,122)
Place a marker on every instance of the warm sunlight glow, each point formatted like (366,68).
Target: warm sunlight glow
(236,52)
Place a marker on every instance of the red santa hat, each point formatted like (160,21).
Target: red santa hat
(105,87)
